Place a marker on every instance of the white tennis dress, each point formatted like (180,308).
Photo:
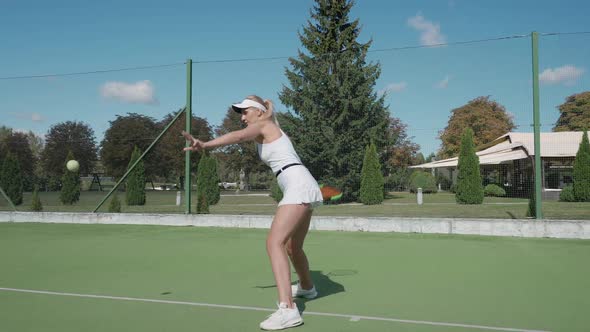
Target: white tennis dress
(296,182)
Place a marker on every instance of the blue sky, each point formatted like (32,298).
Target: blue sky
(423,85)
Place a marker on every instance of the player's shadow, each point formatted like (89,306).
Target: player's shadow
(323,283)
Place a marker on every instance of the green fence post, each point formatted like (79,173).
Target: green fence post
(537,125)
(189,117)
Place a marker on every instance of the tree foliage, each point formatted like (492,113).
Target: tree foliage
(169,148)
(581,172)
(17,144)
(69,136)
(36,204)
(238,157)
(122,136)
(11,179)
(371,178)
(335,112)
(487,118)
(574,113)
(469,189)
(403,152)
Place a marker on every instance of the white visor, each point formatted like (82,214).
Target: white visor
(247,103)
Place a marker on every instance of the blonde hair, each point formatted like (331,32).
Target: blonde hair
(269,114)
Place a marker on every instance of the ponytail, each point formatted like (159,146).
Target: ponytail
(270,112)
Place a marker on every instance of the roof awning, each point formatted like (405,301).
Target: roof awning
(492,158)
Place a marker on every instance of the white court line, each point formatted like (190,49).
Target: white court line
(224,306)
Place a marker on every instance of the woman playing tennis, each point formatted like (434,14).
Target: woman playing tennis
(291,221)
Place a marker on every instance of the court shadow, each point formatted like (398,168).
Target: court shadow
(512,216)
(323,283)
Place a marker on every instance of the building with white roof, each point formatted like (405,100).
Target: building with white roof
(508,161)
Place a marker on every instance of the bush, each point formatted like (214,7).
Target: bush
(469,189)
(424,180)
(35,201)
(115,204)
(372,183)
(275,191)
(70,190)
(135,188)
(445,182)
(11,179)
(398,180)
(494,190)
(567,194)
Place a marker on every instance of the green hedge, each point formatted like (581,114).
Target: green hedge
(494,190)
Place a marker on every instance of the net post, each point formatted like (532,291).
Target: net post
(187,156)
(536,125)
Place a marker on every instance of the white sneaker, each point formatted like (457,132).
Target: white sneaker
(297,291)
(283,318)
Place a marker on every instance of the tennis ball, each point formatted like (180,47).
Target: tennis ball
(73,165)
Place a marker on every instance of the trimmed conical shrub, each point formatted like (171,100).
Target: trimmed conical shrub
(70,189)
(582,171)
(135,189)
(371,178)
(469,189)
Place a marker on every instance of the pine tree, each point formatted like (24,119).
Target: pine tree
(135,190)
(582,171)
(202,205)
(208,179)
(36,201)
(70,190)
(11,179)
(213,191)
(336,113)
(469,189)
(371,178)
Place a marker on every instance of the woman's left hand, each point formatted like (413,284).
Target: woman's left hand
(196,145)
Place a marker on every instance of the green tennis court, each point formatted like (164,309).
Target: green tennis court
(57,277)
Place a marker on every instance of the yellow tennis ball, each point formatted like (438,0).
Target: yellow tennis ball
(73,165)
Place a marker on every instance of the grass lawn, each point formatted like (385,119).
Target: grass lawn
(396,204)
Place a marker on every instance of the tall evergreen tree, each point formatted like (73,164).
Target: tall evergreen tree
(371,178)
(70,190)
(336,113)
(11,179)
(469,188)
(582,171)
(135,190)
(208,180)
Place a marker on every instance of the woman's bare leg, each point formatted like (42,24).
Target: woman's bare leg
(296,253)
(287,220)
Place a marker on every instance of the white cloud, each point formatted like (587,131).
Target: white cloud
(35,117)
(141,92)
(567,74)
(430,32)
(444,83)
(393,87)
